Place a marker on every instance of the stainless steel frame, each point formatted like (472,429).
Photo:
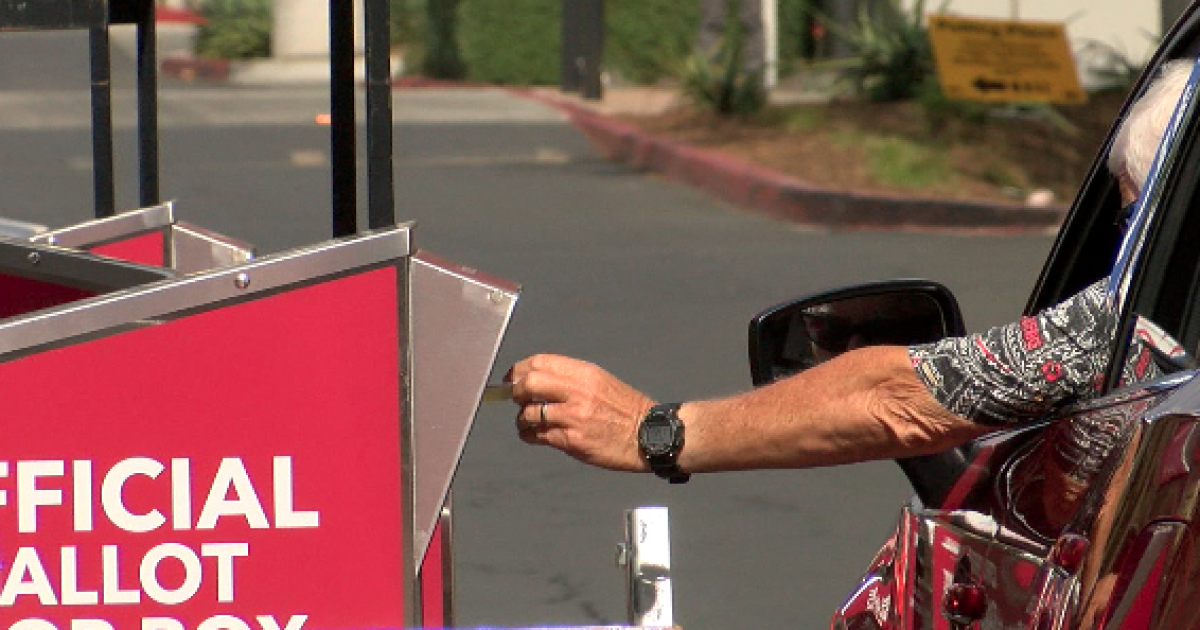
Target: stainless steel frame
(108,229)
(459,317)
(73,268)
(187,248)
(166,300)
(195,249)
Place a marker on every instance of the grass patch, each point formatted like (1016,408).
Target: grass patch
(895,161)
(891,147)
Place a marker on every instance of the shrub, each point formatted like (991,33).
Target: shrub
(734,91)
(892,56)
(511,41)
(235,29)
(520,41)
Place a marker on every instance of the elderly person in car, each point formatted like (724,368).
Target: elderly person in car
(869,403)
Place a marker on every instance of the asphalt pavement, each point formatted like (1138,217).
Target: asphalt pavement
(651,279)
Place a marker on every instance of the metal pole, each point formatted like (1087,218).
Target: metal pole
(646,558)
(102,131)
(341,112)
(569,79)
(770,35)
(147,77)
(381,200)
(590,59)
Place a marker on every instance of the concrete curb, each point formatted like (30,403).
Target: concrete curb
(762,190)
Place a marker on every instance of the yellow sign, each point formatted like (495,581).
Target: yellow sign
(1004,61)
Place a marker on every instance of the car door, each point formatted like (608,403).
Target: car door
(1137,517)
(1106,499)
(1090,518)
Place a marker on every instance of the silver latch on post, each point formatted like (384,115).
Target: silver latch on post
(646,557)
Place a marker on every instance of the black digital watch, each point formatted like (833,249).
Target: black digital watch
(660,439)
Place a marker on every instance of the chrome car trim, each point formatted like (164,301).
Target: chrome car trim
(928,544)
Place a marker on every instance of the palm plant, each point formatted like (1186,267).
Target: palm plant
(892,56)
(721,83)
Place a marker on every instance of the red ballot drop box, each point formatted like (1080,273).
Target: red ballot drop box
(241,448)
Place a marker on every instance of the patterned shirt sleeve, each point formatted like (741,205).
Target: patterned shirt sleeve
(1019,372)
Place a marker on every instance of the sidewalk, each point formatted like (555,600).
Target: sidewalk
(758,189)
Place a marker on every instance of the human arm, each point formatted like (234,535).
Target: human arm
(866,404)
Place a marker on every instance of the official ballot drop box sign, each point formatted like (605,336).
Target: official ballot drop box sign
(220,451)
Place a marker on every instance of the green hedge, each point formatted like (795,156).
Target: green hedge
(235,29)
(511,41)
(520,41)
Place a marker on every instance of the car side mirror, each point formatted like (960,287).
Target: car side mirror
(802,333)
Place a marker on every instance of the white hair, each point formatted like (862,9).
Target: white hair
(1136,144)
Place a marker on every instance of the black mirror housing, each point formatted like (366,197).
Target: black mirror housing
(799,334)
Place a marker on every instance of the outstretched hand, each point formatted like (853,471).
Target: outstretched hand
(579,409)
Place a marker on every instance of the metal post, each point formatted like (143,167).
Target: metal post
(646,557)
(770,35)
(569,80)
(591,57)
(583,47)
(341,113)
(381,207)
(102,128)
(147,78)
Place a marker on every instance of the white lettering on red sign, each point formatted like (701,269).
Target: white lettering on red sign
(231,494)
(218,622)
(36,488)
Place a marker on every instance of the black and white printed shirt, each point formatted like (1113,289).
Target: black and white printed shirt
(1019,372)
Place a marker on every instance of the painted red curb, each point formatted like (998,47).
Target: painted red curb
(178,16)
(768,192)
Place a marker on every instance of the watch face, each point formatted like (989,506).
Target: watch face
(657,438)
(659,434)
